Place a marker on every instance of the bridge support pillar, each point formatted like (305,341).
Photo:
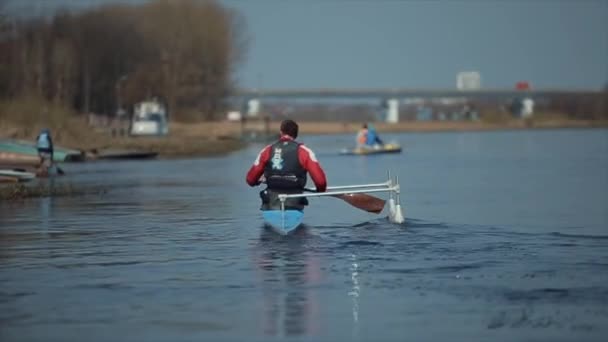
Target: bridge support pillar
(392,111)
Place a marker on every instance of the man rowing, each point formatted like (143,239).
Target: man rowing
(285,165)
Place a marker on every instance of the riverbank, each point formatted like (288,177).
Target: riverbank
(23,120)
(316,127)
(174,146)
(75,134)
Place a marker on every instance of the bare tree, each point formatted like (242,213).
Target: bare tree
(185,52)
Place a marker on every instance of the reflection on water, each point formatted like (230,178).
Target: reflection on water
(354,293)
(45,213)
(288,274)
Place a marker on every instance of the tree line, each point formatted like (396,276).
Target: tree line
(182,52)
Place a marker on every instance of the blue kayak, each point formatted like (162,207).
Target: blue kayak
(283,222)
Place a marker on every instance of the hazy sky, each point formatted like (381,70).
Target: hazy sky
(407,43)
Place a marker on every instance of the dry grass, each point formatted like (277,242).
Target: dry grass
(23,119)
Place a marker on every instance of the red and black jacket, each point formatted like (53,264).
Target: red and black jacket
(285,164)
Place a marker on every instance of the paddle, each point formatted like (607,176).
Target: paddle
(365,202)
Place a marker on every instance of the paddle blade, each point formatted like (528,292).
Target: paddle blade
(364,202)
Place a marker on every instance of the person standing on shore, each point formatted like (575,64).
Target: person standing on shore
(44,145)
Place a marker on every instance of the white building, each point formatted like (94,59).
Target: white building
(392,112)
(527,107)
(468,80)
(253,107)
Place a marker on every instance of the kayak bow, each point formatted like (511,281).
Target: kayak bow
(283,221)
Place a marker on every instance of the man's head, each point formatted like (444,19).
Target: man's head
(364,125)
(290,128)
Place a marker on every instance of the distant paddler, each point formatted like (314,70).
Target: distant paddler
(362,136)
(372,136)
(285,165)
(368,137)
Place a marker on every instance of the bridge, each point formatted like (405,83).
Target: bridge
(405,93)
(253,98)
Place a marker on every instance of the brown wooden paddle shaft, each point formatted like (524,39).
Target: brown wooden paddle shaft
(363,201)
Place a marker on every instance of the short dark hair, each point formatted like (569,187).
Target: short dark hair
(290,128)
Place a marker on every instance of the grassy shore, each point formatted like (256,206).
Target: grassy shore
(172,146)
(77,135)
(23,120)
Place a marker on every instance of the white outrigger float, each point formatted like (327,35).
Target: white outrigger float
(284,220)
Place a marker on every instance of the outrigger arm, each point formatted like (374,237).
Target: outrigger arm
(391,186)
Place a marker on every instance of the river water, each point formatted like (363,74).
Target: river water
(505,239)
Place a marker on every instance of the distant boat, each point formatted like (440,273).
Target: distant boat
(22,151)
(150,118)
(377,149)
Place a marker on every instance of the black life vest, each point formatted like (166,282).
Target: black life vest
(283,171)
